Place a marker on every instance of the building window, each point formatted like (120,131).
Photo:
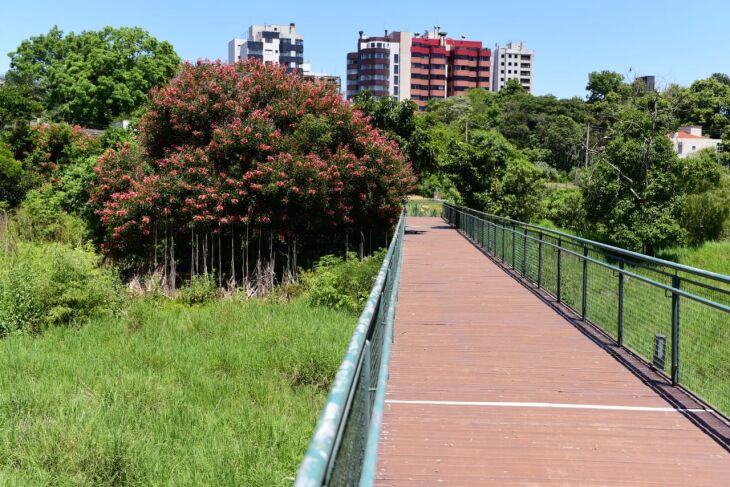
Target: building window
(395,90)
(395,58)
(395,80)
(679,148)
(395,69)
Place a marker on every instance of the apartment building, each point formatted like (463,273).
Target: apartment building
(513,61)
(419,67)
(377,64)
(274,44)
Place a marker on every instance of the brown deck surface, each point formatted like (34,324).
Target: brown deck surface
(466,331)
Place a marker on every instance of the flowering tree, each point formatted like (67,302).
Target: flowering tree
(231,149)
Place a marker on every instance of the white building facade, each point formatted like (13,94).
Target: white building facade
(689,140)
(271,44)
(513,61)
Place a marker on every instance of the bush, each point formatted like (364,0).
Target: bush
(41,218)
(11,172)
(200,290)
(565,208)
(343,284)
(51,284)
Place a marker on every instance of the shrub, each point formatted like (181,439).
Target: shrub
(41,218)
(343,284)
(200,290)
(565,208)
(11,172)
(51,284)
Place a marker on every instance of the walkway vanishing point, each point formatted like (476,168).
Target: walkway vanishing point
(492,383)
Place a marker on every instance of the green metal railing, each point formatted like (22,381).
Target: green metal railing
(643,303)
(343,449)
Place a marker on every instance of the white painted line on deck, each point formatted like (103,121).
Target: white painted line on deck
(548,405)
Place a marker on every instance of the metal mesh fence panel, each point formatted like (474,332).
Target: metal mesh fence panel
(704,338)
(665,313)
(602,296)
(571,275)
(347,464)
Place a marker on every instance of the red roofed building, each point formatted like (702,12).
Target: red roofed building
(417,67)
(689,140)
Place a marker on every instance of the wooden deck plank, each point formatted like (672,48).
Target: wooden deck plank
(466,331)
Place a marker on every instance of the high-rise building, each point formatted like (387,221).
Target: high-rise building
(376,66)
(271,44)
(513,61)
(417,67)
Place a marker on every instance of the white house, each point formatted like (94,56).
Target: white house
(689,140)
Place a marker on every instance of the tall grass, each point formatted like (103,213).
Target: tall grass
(225,393)
(712,256)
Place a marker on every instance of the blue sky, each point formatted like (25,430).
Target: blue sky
(678,41)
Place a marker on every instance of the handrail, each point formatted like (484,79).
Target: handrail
(617,250)
(352,386)
(613,289)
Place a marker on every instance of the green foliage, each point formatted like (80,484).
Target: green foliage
(17,104)
(51,284)
(200,290)
(493,176)
(602,83)
(566,209)
(11,173)
(41,218)
(93,77)
(398,119)
(705,210)
(343,284)
(707,103)
(631,195)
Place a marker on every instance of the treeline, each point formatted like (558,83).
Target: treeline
(603,167)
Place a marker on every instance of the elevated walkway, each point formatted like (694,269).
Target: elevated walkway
(490,384)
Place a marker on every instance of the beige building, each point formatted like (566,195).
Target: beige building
(689,140)
(513,61)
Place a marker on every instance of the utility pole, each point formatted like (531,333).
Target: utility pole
(588,134)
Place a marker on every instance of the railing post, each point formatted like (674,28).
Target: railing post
(539,260)
(675,331)
(489,239)
(524,253)
(504,242)
(494,239)
(560,243)
(621,304)
(513,245)
(584,301)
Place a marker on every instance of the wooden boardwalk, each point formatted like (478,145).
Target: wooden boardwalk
(489,385)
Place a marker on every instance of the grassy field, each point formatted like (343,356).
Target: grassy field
(418,206)
(222,394)
(711,256)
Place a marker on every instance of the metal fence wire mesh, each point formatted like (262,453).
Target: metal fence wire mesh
(340,447)
(633,298)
